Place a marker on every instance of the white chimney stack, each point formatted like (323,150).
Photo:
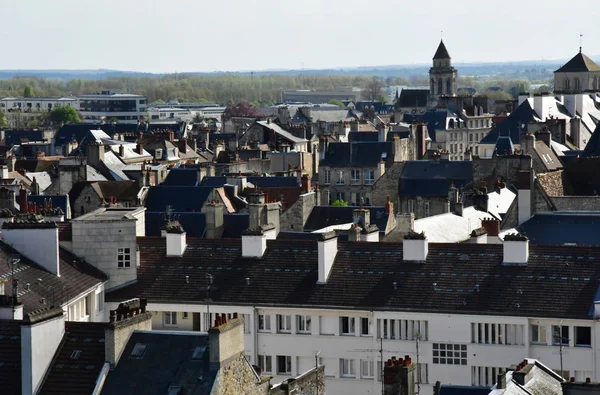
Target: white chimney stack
(176,239)
(327,250)
(254,241)
(37,241)
(516,249)
(415,247)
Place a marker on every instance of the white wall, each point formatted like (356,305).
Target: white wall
(39,343)
(39,245)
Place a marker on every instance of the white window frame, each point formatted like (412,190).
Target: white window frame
(538,334)
(303,324)
(576,340)
(351,324)
(340,178)
(327,176)
(265,363)
(347,368)
(565,342)
(422,373)
(264,323)
(284,323)
(449,353)
(184,315)
(363,326)
(287,361)
(411,206)
(367,369)
(123,257)
(355,176)
(369,177)
(170,318)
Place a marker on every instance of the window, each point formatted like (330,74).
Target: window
(284,323)
(327,176)
(422,373)
(75,354)
(347,325)
(426,208)
(124,257)
(340,178)
(402,329)
(303,323)
(490,333)
(264,323)
(170,318)
(284,364)
(449,86)
(347,368)
(449,354)
(355,177)
(265,363)
(138,351)
(100,301)
(470,138)
(560,335)
(538,334)
(577,84)
(367,369)
(411,206)
(340,196)
(583,336)
(184,315)
(440,87)
(369,177)
(364,326)
(567,84)
(484,376)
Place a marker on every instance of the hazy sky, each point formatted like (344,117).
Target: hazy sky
(209,35)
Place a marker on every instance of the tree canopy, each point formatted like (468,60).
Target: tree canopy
(241,109)
(2,119)
(28,91)
(336,103)
(64,115)
(339,203)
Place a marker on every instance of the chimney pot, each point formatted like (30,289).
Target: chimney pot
(588,380)
(572,379)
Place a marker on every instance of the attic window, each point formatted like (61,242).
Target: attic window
(384,155)
(75,354)
(138,351)
(198,353)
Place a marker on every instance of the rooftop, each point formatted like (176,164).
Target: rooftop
(110,214)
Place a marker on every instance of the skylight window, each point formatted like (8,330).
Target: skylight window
(138,351)
(75,354)
(198,353)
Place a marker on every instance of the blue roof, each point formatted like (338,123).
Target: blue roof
(592,148)
(323,216)
(214,181)
(14,137)
(434,119)
(273,182)
(182,177)
(234,225)
(512,125)
(558,228)
(463,390)
(180,198)
(504,146)
(433,178)
(61,201)
(194,224)
(360,154)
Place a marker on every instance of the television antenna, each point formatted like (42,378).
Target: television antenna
(12,261)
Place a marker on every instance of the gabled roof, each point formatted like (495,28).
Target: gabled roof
(504,146)
(581,228)
(442,52)
(280,131)
(77,376)
(362,154)
(579,63)
(511,126)
(15,137)
(273,182)
(379,278)
(433,178)
(180,198)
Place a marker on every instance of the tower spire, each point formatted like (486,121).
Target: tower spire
(580,41)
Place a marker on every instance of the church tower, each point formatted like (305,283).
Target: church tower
(442,76)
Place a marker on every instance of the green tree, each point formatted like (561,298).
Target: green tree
(3,123)
(339,203)
(372,88)
(336,103)
(64,115)
(28,91)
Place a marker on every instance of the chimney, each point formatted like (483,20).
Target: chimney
(218,148)
(139,148)
(383,131)
(524,195)
(214,219)
(405,223)
(206,142)
(176,241)
(545,136)
(130,316)
(193,143)
(256,210)
(327,250)
(272,212)
(528,143)
(35,187)
(361,217)
(171,136)
(415,247)
(37,241)
(182,145)
(491,226)
(380,170)
(95,154)
(254,241)
(468,156)
(23,200)
(421,134)
(306,184)
(516,249)
(354,233)
(121,151)
(11,163)
(399,376)
(354,125)
(389,206)
(226,341)
(444,155)
(42,332)
(4,172)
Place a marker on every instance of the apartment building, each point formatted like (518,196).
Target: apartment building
(108,105)
(36,104)
(461,311)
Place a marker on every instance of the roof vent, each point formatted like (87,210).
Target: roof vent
(477,287)
(464,257)
(247,280)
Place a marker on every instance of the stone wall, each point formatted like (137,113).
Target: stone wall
(387,185)
(437,205)
(502,167)
(576,203)
(311,382)
(552,183)
(237,377)
(87,201)
(117,334)
(294,218)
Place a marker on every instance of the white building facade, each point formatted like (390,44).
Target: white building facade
(107,105)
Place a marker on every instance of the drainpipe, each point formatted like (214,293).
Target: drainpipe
(255,335)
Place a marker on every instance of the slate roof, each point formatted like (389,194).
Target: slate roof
(323,216)
(435,119)
(511,126)
(281,132)
(442,52)
(273,182)
(61,201)
(10,357)
(181,198)
(182,177)
(76,276)
(122,190)
(167,361)
(463,390)
(357,154)
(581,228)
(592,148)
(234,225)
(504,146)
(15,137)
(363,137)
(579,63)
(413,98)
(194,224)
(433,178)
(214,181)
(287,275)
(77,376)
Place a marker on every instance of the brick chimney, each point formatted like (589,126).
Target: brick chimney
(121,151)
(130,316)
(306,187)
(399,376)
(23,200)
(182,145)
(524,195)
(139,148)
(491,226)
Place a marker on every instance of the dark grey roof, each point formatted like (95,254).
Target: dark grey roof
(433,178)
(182,177)
(463,390)
(61,201)
(180,198)
(592,148)
(323,216)
(413,98)
(272,182)
(234,225)
(504,146)
(214,181)
(512,125)
(287,275)
(579,63)
(363,137)
(167,362)
(15,137)
(442,52)
(557,228)
(357,154)
(194,223)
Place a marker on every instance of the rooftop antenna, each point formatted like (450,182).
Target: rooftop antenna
(580,41)
(442,34)
(12,261)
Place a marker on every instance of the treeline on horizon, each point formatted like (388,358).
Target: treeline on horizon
(260,90)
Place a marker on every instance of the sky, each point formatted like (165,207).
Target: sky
(229,35)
